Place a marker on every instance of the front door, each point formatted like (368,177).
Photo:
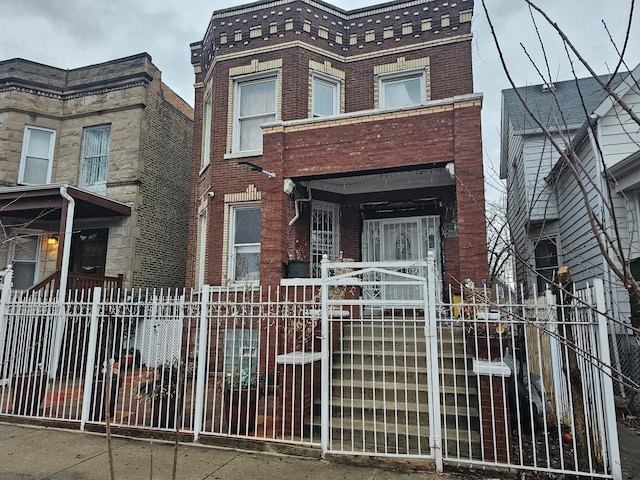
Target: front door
(89,251)
(391,239)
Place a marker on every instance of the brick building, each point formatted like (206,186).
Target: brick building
(324,131)
(94,164)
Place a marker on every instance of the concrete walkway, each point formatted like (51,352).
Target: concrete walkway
(28,452)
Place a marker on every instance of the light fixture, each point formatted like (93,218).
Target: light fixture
(52,240)
(257,168)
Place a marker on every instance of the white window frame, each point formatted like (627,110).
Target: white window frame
(241,347)
(329,81)
(35,262)
(202,248)
(403,75)
(23,156)
(206,131)
(538,271)
(239,83)
(83,160)
(245,247)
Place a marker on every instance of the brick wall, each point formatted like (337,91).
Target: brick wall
(165,161)
(295,34)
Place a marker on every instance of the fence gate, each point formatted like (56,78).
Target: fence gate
(379,396)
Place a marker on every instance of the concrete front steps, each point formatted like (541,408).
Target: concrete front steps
(379,391)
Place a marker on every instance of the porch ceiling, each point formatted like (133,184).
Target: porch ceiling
(383,181)
(44,202)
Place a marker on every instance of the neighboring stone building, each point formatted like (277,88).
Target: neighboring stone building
(324,131)
(95,159)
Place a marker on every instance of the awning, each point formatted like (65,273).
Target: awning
(45,202)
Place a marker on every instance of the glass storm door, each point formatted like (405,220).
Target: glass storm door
(396,239)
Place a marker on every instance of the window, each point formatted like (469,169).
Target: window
(206,133)
(25,261)
(95,155)
(241,351)
(244,246)
(546,256)
(202,248)
(402,90)
(325,234)
(37,156)
(255,105)
(326,96)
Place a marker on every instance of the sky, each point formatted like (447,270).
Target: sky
(76,33)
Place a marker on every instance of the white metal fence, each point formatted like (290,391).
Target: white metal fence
(466,382)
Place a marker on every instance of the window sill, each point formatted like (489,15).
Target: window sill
(245,154)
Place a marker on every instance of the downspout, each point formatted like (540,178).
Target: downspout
(62,288)
(66,248)
(297,206)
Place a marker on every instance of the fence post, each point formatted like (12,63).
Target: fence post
(435,426)
(324,365)
(611,425)
(7,278)
(91,357)
(201,373)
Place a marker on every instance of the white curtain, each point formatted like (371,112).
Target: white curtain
(36,167)
(257,107)
(402,93)
(96,155)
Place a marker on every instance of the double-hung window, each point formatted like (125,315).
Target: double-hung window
(325,96)
(95,155)
(325,234)
(37,156)
(255,104)
(402,89)
(244,242)
(206,132)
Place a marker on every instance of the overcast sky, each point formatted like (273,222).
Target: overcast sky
(75,33)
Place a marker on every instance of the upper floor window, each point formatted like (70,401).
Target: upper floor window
(402,89)
(255,104)
(325,96)
(206,131)
(37,155)
(244,242)
(95,155)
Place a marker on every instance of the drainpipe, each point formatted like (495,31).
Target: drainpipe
(62,288)
(66,247)
(297,206)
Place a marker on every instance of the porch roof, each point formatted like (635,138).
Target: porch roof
(45,202)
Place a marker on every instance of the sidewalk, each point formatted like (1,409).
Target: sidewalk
(28,452)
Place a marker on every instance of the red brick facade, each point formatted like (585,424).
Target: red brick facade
(290,39)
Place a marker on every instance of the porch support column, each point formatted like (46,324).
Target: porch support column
(275,228)
(472,232)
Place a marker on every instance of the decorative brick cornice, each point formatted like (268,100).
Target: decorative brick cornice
(332,29)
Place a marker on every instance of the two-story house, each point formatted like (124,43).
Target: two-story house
(548,202)
(354,134)
(94,168)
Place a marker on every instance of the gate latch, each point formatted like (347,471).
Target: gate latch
(435,442)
